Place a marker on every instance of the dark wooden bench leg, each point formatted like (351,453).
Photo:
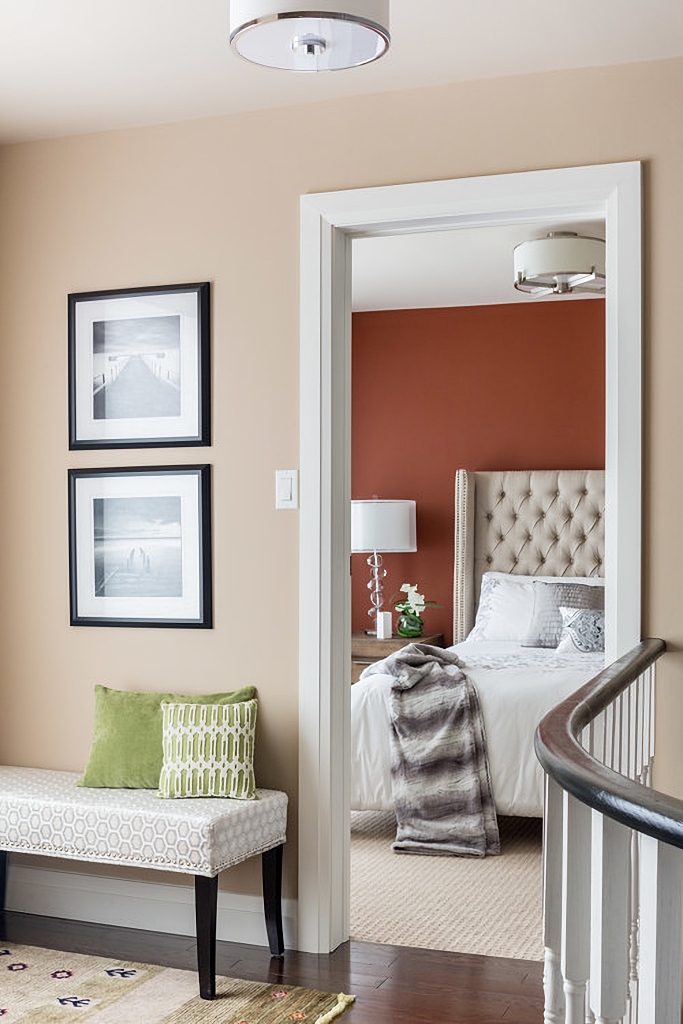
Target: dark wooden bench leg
(3,879)
(205,902)
(271,864)
(4,857)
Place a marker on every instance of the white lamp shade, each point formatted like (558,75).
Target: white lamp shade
(383,525)
(329,36)
(561,263)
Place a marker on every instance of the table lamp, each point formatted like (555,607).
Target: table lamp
(381,525)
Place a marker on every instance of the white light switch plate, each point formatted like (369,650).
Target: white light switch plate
(286,488)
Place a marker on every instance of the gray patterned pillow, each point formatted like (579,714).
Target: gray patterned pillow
(584,630)
(546,620)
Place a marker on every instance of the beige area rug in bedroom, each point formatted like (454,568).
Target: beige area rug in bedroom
(489,905)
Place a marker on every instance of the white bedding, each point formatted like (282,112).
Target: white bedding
(516,685)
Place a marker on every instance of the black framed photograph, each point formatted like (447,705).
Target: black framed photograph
(140,546)
(139,367)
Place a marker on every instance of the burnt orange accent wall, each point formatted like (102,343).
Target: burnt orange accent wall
(519,386)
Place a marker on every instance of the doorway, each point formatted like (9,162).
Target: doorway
(329,222)
(452,367)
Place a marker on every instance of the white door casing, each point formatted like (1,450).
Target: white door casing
(329,221)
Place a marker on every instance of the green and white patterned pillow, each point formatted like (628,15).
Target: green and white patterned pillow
(208,750)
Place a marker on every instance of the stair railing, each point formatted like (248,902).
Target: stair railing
(613,867)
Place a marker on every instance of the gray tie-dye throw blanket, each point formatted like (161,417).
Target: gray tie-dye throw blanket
(440,773)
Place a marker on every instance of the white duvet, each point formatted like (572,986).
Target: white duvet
(516,686)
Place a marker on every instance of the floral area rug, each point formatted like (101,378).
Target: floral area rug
(42,986)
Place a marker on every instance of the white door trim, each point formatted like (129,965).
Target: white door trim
(328,223)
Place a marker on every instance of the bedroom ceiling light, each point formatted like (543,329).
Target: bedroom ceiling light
(560,263)
(381,525)
(328,36)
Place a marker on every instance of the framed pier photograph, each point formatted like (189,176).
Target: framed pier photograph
(140,546)
(139,367)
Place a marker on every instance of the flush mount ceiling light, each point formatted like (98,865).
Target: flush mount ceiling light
(331,35)
(561,263)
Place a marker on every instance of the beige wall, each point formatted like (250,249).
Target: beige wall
(218,200)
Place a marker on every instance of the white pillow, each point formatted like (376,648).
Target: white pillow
(589,581)
(506,604)
(583,630)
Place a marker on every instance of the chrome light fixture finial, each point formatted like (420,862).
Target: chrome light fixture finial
(560,263)
(328,36)
(312,45)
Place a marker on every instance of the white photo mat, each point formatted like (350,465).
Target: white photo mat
(184,360)
(143,537)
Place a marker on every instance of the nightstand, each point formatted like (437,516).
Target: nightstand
(367,649)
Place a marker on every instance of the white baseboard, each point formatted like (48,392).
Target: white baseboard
(156,907)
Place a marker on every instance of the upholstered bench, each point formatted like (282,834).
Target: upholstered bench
(45,812)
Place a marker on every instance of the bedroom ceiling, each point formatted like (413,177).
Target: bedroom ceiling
(468,267)
(77,66)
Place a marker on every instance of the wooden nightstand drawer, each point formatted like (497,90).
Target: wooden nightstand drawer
(365,650)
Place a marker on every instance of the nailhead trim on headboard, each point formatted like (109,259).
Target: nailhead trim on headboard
(532,522)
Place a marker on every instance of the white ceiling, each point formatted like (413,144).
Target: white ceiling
(467,267)
(74,66)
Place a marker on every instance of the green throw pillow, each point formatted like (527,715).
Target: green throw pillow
(126,750)
(209,750)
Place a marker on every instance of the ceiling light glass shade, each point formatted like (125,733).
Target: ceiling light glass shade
(383,525)
(561,263)
(328,36)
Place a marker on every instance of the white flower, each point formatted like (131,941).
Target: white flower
(415,601)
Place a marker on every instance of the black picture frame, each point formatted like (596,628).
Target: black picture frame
(139,367)
(140,546)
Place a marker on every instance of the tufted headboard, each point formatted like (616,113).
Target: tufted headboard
(546,522)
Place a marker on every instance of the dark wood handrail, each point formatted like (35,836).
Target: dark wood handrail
(590,781)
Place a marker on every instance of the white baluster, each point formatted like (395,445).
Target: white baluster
(629,734)
(610,924)
(660,932)
(651,675)
(608,726)
(638,688)
(637,729)
(576,894)
(585,737)
(644,728)
(634,938)
(646,709)
(648,725)
(598,750)
(552,903)
(619,734)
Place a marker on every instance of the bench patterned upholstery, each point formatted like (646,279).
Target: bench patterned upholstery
(45,812)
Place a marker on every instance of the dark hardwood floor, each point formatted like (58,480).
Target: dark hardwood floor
(392,985)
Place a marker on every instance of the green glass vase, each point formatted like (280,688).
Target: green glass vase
(409,624)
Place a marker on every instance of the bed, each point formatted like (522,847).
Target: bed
(528,624)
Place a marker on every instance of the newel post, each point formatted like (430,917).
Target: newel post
(576,907)
(660,932)
(552,902)
(610,920)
